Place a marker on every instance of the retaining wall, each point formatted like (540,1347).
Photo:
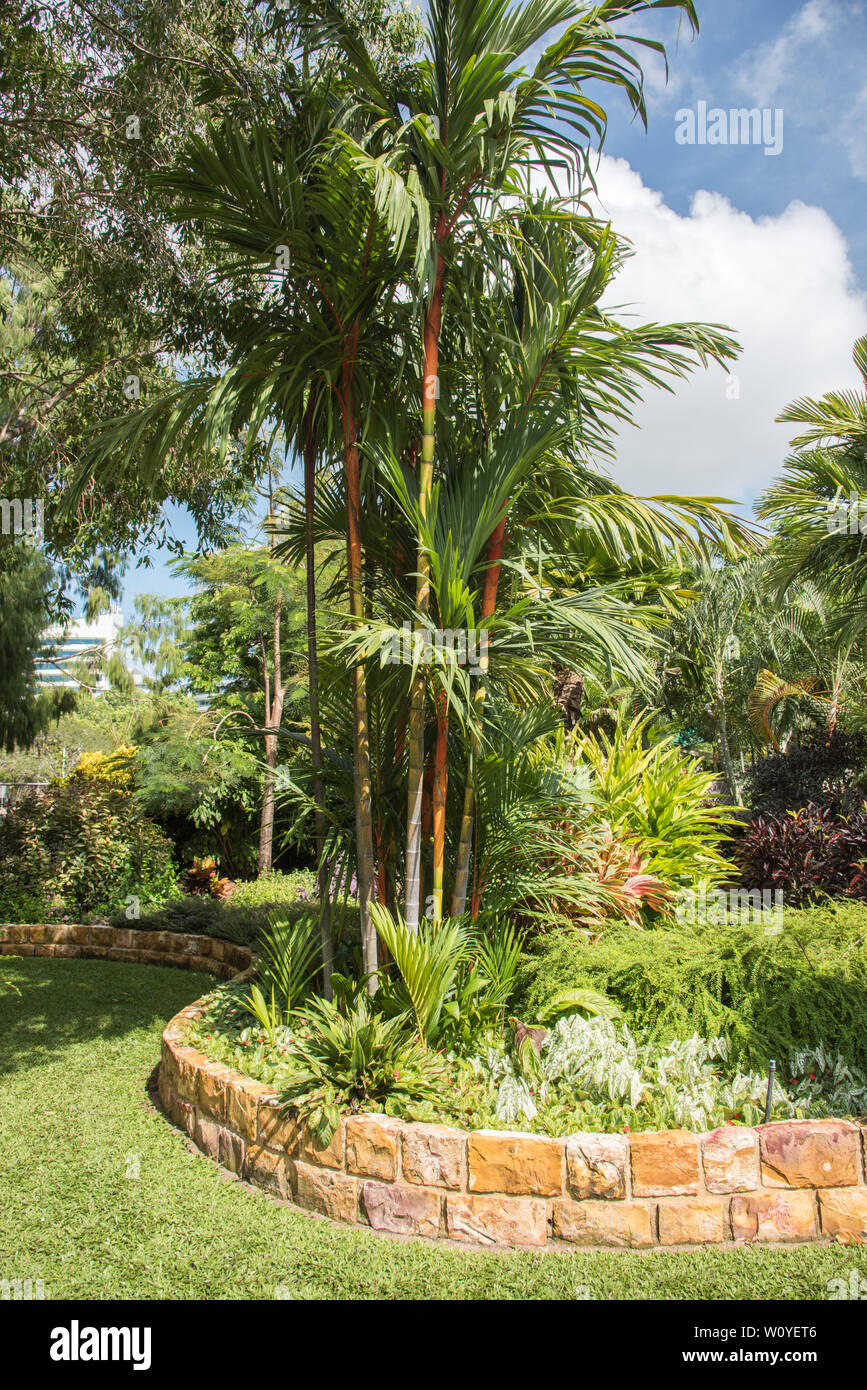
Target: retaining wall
(796,1180)
(183,952)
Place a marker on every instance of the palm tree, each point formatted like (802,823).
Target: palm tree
(511,448)
(818,506)
(478,123)
(303,357)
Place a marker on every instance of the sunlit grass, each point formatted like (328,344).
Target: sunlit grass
(101,1198)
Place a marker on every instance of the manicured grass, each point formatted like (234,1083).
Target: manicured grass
(101,1198)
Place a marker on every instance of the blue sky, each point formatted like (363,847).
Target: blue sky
(774,246)
(807,59)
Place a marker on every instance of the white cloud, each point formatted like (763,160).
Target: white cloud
(765,70)
(785,287)
(814,70)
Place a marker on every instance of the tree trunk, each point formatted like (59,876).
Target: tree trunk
(726,756)
(432,323)
(361,731)
(266,824)
(273,715)
(465,841)
(322,868)
(440,792)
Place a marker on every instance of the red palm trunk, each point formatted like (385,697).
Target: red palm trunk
(361,732)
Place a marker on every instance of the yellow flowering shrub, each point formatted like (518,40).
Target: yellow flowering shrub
(113,768)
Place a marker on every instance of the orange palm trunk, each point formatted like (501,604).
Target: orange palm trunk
(361,731)
(432,325)
(440,791)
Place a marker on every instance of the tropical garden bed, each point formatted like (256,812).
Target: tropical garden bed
(664,1030)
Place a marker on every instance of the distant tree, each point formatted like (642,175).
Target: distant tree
(25,610)
(240,637)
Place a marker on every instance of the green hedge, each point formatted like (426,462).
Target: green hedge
(240,917)
(769,995)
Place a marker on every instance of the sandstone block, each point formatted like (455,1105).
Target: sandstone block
(664,1163)
(625,1224)
(267,1170)
(843,1211)
(434,1155)
(499,1161)
(596,1165)
(810,1153)
(493,1220)
(242,1106)
(402,1210)
(729,1156)
(372,1146)
(211,1094)
(773,1216)
(693,1221)
(326,1191)
(325,1155)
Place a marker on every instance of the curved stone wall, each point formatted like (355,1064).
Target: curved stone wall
(796,1180)
(183,952)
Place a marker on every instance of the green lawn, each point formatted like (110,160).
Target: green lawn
(101,1198)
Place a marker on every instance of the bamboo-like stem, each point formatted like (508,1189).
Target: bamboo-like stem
(440,791)
(322,868)
(465,839)
(361,730)
(432,324)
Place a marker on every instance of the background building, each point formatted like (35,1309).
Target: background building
(79,640)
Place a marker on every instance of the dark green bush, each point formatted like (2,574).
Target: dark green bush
(819,768)
(202,917)
(769,995)
(241,921)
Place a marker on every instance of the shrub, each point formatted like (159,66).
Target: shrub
(808,854)
(275,888)
(243,916)
(348,1057)
(452,980)
(114,769)
(203,917)
(819,769)
(769,996)
(80,850)
(658,798)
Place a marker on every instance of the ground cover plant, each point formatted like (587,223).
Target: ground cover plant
(672,1028)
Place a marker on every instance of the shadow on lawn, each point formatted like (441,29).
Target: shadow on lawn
(66,1002)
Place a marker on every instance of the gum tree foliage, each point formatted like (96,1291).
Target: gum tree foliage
(240,639)
(98,300)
